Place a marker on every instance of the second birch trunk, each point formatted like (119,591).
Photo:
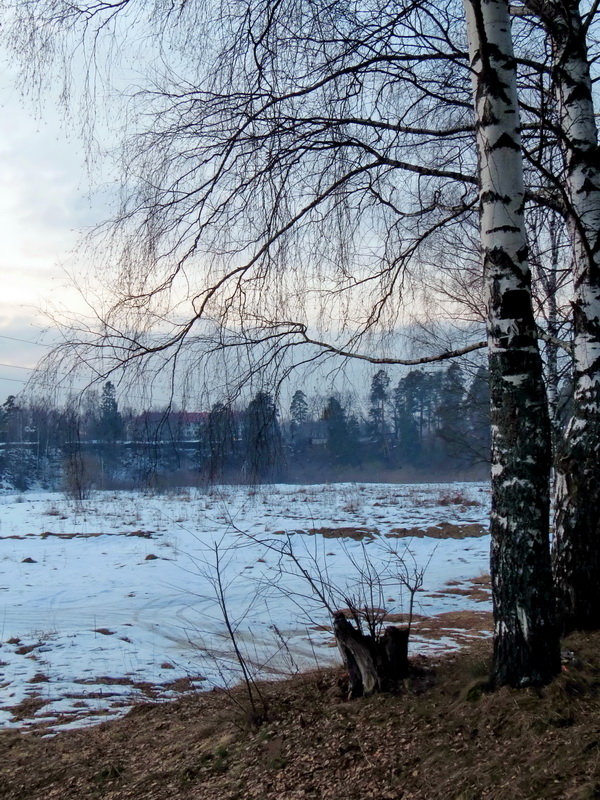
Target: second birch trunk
(577,522)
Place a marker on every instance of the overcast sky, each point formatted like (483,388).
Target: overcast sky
(44,205)
(45,208)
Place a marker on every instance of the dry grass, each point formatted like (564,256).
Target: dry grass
(445,737)
(457,499)
(443,530)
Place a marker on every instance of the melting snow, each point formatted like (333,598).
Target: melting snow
(113,599)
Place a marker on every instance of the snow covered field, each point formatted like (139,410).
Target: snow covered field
(115,599)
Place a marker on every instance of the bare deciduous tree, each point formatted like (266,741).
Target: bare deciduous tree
(577,534)
(285,192)
(525,639)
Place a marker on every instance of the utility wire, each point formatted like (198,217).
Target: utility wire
(16,366)
(13,380)
(25,341)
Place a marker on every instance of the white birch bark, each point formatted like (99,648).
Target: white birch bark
(577,521)
(525,638)
(576,551)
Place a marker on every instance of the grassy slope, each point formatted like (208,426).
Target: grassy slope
(443,738)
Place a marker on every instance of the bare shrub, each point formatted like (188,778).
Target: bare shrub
(252,702)
(375,655)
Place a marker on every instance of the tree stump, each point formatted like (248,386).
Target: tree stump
(374,665)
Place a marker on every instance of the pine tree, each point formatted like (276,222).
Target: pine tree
(298,418)
(334,417)
(17,465)
(299,409)
(452,426)
(262,443)
(378,427)
(8,418)
(477,415)
(110,422)
(405,417)
(220,438)
(354,454)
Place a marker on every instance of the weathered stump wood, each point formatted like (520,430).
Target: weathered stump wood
(358,652)
(395,647)
(374,665)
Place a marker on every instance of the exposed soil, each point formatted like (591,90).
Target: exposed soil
(478,589)
(47,534)
(444,530)
(356,533)
(459,626)
(351,532)
(444,737)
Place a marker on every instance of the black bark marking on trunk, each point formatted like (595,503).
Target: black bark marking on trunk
(506,140)
(515,304)
(582,155)
(487,117)
(494,197)
(523,254)
(587,187)
(499,263)
(504,229)
(580,92)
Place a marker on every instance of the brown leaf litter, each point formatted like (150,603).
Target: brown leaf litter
(444,737)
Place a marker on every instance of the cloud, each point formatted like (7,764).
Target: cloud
(45,205)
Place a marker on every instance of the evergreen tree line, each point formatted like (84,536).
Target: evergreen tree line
(427,420)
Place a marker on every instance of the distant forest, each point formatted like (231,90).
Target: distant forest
(428,424)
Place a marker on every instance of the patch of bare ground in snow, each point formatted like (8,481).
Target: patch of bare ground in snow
(155,691)
(478,589)
(29,706)
(356,533)
(459,626)
(67,536)
(444,737)
(443,530)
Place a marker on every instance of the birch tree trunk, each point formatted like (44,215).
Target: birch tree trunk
(576,552)
(526,648)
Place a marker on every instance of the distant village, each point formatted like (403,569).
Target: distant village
(430,424)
